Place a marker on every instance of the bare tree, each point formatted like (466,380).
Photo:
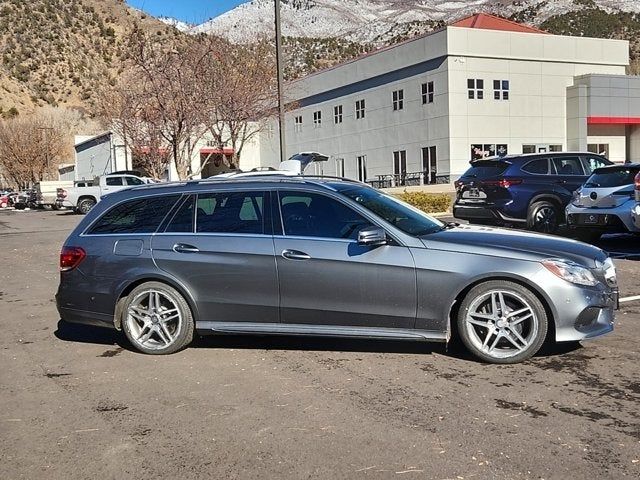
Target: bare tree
(166,75)
(238,86)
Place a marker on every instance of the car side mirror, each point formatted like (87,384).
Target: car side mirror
(372,237)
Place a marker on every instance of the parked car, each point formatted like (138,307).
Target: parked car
(46,192)
(25,199)
(309,256)
(84,198)
(604,203)
(529,190)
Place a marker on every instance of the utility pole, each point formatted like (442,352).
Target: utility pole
(281,106)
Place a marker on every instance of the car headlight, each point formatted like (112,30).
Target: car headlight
(571,272)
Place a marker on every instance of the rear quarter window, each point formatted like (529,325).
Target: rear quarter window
(142,215)
(538,167)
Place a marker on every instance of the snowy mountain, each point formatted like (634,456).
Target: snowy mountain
(174,22)
(377,20)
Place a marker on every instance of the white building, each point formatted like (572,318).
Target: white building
(420,110)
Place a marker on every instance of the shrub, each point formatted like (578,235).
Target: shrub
(427,202)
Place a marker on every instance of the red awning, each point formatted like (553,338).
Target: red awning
(613,120)
(216,151)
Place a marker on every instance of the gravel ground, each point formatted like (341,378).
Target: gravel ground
(77,402)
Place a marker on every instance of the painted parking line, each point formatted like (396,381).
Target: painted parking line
(630,299)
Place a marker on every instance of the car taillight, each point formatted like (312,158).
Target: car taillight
(636,181)
(70,258)
(62,193)
(503,182)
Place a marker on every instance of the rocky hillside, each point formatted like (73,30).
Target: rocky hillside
(59,52)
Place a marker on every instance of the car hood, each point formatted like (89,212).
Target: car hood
(498,242)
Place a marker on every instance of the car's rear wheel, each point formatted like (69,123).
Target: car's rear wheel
(86,205)
(544,217)
(502,322)
(157,319)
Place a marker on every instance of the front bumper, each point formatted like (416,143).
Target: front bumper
(614,219)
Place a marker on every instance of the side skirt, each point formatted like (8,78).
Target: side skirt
(319,330)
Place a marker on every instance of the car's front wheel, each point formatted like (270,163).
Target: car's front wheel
(502,322)
(157,319)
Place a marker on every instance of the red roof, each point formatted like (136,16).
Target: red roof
(492,22)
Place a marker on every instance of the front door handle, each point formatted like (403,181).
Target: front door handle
(184,248)
(295,255)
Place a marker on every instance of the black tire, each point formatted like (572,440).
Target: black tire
(479,340)
(587,236)
(544,217)
(20,206)
(55,207)
(180,332)
(85,205)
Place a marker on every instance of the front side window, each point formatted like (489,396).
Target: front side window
(567,166)
(399,214)
(475,87)
(306,214)
(398,100)
(230,212)
(360,109)
(501,89)
(142,215)
(591,163)
(134,181)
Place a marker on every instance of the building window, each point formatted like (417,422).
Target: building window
(317,119)
(337,114)
(429,165)
(339,167)
(501,89)
(541,148)
(398,100)
(359,109)
(476,88)
(479,150)
(399,167)
(361,163)
(297,124)
(599,148)
(427,93)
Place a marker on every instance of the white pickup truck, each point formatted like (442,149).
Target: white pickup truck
(83,199)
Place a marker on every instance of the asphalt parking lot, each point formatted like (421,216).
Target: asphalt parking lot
(77,402)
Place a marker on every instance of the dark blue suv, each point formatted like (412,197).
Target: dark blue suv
(531,189)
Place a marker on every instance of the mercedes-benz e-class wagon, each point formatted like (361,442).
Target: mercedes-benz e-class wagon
(326,257)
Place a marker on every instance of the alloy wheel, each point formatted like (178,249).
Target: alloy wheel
(154,320)
(501,324)
(546,220)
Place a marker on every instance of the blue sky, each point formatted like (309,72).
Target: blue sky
(192,11)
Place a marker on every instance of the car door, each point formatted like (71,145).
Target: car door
(568,175)
(219,246)
(327,278)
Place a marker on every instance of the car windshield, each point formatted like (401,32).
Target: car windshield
(486,169)
(398,213)
(608,178)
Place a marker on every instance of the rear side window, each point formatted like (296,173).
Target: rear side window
(142,215)
(182,221)
(538,167)
(567,166)
(230,212)
(612,178)
(114,181)
(486,169)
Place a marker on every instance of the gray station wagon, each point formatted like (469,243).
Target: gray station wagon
(327,257)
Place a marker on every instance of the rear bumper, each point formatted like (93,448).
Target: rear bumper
(616,219)
(85,318)
(468,211)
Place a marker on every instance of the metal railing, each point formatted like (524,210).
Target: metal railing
(408,179)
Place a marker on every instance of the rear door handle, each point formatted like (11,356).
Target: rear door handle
(295,255)
(184,248)
(561,182)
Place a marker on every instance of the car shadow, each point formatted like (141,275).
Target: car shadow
(66,213)
(79,333)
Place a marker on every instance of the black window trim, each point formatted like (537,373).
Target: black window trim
(85,232)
